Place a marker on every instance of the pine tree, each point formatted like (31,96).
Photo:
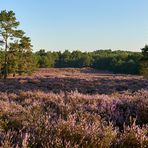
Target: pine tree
(8,34)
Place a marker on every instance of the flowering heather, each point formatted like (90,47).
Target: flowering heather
(94,110)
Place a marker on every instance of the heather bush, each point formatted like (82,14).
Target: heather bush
(84,130)
(133,137)
(39,119)
(43,118)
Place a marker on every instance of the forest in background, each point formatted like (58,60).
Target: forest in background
(108,60)
(125,62)
(17,56)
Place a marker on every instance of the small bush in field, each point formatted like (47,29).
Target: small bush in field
(85,131)
(133,136)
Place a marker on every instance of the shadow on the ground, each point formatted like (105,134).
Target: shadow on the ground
(96,86)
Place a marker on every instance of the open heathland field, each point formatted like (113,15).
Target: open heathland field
(73,107)
(83,80)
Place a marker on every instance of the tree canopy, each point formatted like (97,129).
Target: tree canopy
(115,61)
(16,54)
(144,61)
(15,45)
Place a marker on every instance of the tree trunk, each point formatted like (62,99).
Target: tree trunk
(13,74)
(5,64)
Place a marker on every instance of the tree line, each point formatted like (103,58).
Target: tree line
(17,56)
(118,61)
(115,61)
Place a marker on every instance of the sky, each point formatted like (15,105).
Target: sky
(85,25)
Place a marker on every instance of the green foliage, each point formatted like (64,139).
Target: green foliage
(115,61)
(144,67)
(144,61)
(145,52)
(9,34)
(46,59)
(16,53)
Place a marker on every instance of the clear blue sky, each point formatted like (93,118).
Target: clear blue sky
(82,24)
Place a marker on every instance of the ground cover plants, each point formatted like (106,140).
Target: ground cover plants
(64,108)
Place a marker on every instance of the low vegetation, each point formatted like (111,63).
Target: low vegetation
(40,111)
(50,99)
